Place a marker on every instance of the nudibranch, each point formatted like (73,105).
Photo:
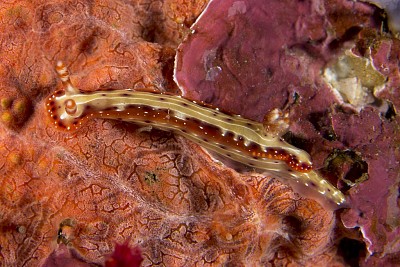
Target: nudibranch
(230,136)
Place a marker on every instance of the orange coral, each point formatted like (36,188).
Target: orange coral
(112,181)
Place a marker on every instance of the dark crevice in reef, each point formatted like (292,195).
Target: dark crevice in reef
(167,59)
(292,225)
(381,18)
(390,114)
(323,124)
(297,141)
(352,251)
(347,166)
(398,197)
(349,35)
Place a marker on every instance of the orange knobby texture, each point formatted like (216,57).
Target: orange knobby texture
(80,193)
(15,108)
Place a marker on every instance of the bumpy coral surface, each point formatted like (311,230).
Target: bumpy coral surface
(70,198)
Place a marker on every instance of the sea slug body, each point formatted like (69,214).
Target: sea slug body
(230,136)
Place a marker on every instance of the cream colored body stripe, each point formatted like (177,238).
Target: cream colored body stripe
(236,125)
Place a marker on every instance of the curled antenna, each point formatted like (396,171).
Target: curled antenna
(63,73)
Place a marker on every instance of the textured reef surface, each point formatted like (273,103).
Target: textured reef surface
(116,194)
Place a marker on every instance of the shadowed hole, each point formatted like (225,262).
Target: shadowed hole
(347,166)
(391,111)
(292,225)
(322,123)
(352,251)
(297,141)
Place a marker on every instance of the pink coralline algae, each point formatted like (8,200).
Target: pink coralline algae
(64,256)
(247,63)
(124,256)
(67,199)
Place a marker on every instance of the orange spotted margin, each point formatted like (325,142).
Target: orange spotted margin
(230,136)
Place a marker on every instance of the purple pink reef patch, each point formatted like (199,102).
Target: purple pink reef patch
(114,192)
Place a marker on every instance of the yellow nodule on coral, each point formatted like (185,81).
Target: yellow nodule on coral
(19,106)
(5,103)
(7,117)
